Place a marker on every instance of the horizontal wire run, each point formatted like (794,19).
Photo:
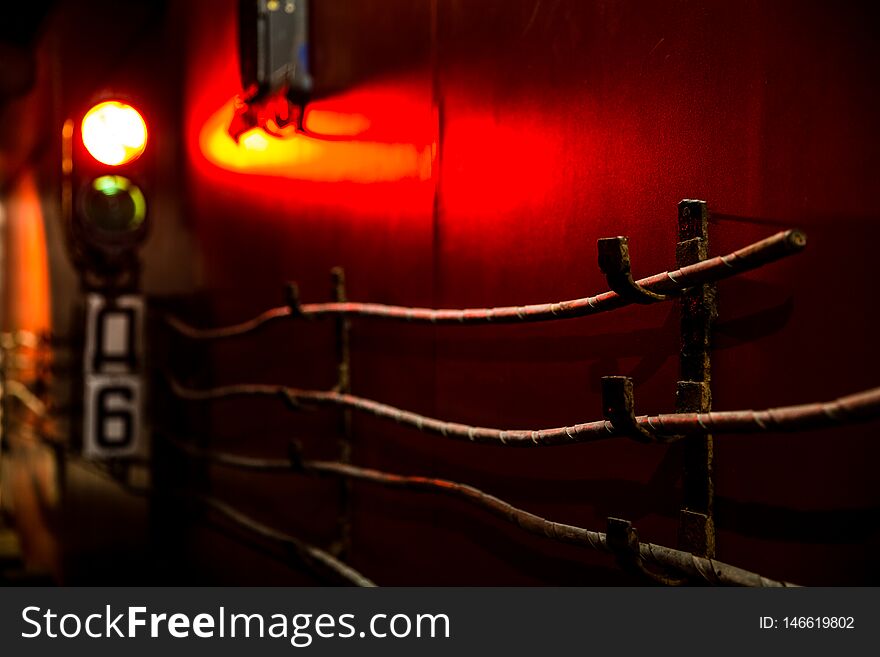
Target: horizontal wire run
(710,570)
(858,407)
(755,255)
(309,553)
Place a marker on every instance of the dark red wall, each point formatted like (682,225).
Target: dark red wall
(547,125)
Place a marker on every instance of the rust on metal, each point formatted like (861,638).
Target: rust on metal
(619,407)
(343,385)
(693,424)
(622,540)
(858,407)
(750,257)
(615,264)
(655,561)
(694,393)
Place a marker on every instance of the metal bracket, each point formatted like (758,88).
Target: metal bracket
(615,264)
(291,298)
(622,540)
(696,532)
(292,401)
(618,406)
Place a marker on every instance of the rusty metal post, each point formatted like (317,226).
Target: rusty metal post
(694,394)
(343,385)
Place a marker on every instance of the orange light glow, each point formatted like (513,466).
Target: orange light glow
(326,122)
(26,303)
(331,159)
(114,133)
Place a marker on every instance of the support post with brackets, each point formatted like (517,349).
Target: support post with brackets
(694,393)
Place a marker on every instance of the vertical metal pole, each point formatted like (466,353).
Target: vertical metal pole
(343,385)
(694,394)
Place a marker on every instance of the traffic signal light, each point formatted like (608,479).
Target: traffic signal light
(114,133)
(106,164)
(106,158)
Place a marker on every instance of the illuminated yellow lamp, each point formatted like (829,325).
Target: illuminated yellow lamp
(114,133)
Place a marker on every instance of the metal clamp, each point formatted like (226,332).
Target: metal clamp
(615,264)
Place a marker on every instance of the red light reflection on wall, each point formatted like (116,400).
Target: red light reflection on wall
(305,157)
(269,209)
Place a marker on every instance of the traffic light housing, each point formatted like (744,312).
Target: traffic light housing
(106,161)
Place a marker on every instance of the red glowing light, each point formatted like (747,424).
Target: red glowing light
(114,133)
